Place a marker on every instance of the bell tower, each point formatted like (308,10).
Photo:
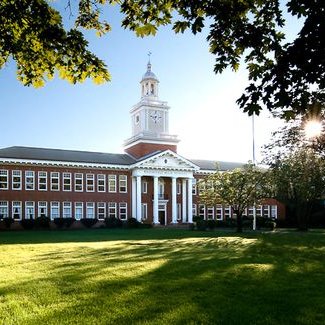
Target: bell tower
(149,120)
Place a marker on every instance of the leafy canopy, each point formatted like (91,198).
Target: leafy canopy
(284,77)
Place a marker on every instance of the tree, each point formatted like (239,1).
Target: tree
(239,188)
(299,179)
(294,136)
(284,77)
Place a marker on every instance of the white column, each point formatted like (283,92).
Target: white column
(139,205)
(134,198)
(254,217)
(174,200)
(189,201)
(184,200)
(155,200)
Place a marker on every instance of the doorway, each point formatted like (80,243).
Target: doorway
(162,215)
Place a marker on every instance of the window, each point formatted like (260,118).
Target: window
(266,211)
(55,210)
(29,180)
(202,210)
(122,183)
(210,213)
(42,181)
(66,182)
(179,211)
(16,210)
(123,211)
(112,210)
(227,212)
(179,188)
(16,180)
(144,211)
(90,179)
(101,184)
(67,210)
(112,183)
(78,210)
(219,212)
(101,210)
(194,187)
(144,187)
(90,210)
(42,209)
(274,212)
(194,210)
(250,212)
(29,210)
(78,182)
(258,210)
(3,179)
(4,211)
(55,181)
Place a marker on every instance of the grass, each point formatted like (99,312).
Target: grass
(160,276)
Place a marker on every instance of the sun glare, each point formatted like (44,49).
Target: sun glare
(313,129)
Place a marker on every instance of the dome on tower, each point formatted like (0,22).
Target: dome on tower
(149,74)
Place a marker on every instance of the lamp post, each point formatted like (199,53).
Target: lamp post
(254,163)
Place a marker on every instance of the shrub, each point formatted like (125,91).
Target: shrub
(132,223)
(271,224)
(201,224)
(196,218)
(27,223)
(63,222)
(211,224)
(191,226)
(220,223)
(8,222)
(112,222)
(145,225)
(89,222)
(42,223)
(231,223)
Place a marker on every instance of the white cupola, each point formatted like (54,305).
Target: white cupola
(149,83)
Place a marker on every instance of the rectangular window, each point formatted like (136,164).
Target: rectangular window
(29,180)
(202,210)
(42,209)
(219,212)
(16,180)
(266,211)
(123,211)
(194,188)
(144,187)
(3,179)
(29,210)
(274,212)
(194,210)
(101,183)
(227,212)
(179,211)
(101,210)
(4,210)
(179,188)
(78,182)
(78,210)
(42,181)
(122,183)
(90,180)
(55,181)
(250,212)
(66,182)
(67,213)
(112,183)
(90,210)
(55,210)
(210,213)
(16,210)
(112,210)
(144,209)
(258,210)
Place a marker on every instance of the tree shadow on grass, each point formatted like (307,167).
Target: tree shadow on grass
(266,279)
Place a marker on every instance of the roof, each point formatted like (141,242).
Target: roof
(66,155)
(213,164)
(149,74)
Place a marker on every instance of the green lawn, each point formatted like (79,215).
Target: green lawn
(160,276)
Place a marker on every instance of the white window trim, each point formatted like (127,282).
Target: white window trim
(5,173)
(66,176)
(30,177)
(51,181)
(28,205)
(66,205)
(5,205)
(43,177)
(13,175)
(123,205)
(78,178)
(90,205)
(144,187)
(78,205)
(20,209)
(121,180)
(144,211)
(101,179)
(112,178)
(54,205)
(90,177)
(101,205)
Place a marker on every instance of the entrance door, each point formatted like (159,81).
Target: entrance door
(162,215)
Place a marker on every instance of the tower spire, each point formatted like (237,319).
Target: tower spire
(149,63)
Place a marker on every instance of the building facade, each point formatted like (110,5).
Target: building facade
(150,181)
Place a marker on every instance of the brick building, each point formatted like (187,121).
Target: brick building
(149,182)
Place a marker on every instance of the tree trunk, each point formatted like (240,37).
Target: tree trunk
(239,222)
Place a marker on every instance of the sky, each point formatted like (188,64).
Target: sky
(92,117)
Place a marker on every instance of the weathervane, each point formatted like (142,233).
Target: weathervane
(149,54)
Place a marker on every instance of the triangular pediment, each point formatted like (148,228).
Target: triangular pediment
(167,160)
